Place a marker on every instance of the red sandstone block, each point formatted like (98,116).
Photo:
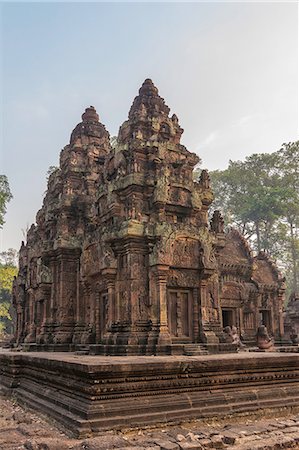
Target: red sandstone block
(230,437)
(206,443)
(191,446)
(166,445)
(218,441)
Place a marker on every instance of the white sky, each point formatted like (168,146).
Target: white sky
(228,70)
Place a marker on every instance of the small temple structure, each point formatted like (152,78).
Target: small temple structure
(124,257)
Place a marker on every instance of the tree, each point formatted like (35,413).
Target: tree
(250,195)
(8,270)
(260,196)
(5,197)
(9,258)
(289,170)
(51,170)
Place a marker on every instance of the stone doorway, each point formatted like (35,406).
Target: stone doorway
(179,311)
(228,317)
(265,318)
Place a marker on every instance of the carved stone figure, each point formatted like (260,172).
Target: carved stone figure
(264,341)
(294,336)
(236,337)
(227,335)
(217,222)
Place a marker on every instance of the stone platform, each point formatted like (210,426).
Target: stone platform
(89,394)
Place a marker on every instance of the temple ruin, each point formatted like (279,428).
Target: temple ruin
(124,259)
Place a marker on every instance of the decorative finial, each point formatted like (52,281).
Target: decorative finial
(174,118)
(204,179)
(90,115)
(148,102)
(148,88)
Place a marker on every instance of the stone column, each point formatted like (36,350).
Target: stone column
(208,334)
(241,321)
(257,311)
(97,317)
(54,292)
(161,276)
(203,302)
(38,315)
(110,276)
(67,282)
(80,306)
(195,316)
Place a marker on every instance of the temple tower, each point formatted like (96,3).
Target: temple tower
(158,230)
(123,258)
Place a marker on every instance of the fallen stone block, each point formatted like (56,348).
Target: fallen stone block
(218,441)
(230,437)
(180,437)
(155,447)
(191,446)
(291,430)
(166,445)
(205,443)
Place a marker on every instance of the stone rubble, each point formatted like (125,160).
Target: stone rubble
(21,429)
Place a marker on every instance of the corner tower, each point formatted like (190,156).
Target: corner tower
(47,289)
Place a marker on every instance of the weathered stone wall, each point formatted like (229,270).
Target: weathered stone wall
(100,393)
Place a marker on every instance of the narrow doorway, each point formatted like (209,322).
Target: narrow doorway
(265,318)
(179,311)
(227,318)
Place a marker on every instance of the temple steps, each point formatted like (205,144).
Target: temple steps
(195,350)
(82,350)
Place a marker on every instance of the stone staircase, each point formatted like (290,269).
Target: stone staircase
(195,350)
(82,350)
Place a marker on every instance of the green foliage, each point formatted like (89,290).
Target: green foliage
(8,271)
(260,196)
(51,170)
(7,274)
(9,258)
(4,310)
(113,142)
(5,197)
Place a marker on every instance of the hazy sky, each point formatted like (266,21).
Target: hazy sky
(228,70)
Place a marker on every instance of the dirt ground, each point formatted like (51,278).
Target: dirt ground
(21,428)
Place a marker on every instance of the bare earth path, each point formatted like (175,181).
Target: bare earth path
(23,429)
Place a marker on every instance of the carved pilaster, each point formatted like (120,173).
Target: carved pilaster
(161,277)
(279,308)
(97,317)
(67,269)
(110,277)
(195,315)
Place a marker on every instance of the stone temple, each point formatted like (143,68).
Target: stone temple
(124,259)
